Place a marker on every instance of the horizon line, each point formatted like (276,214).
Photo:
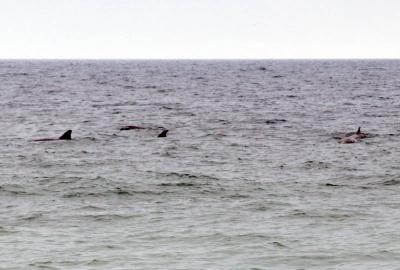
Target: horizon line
(197,59)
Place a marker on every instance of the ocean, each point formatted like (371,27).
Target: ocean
(250,176)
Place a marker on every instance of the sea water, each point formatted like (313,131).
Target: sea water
(250,176)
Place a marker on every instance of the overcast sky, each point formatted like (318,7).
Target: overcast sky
(199,29)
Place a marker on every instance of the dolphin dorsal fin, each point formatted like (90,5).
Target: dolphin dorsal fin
(163,133)
(66,135)
(358,130)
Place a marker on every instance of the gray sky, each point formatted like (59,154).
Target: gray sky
(199,29)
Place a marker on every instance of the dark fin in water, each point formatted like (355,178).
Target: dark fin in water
(66,135)
(358,130)
(163,133)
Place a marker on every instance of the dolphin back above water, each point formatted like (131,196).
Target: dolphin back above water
(353,137)
(64,137)
(131,127)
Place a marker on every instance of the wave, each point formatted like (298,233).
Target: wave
(15,190)
(112,192)
(189,176)
(391,182)
(104,217)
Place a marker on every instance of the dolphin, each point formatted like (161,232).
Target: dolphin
(353,137)
(131,127)
(66,136)
(163,133)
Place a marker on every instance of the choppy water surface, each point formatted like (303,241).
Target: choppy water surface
(250,176)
